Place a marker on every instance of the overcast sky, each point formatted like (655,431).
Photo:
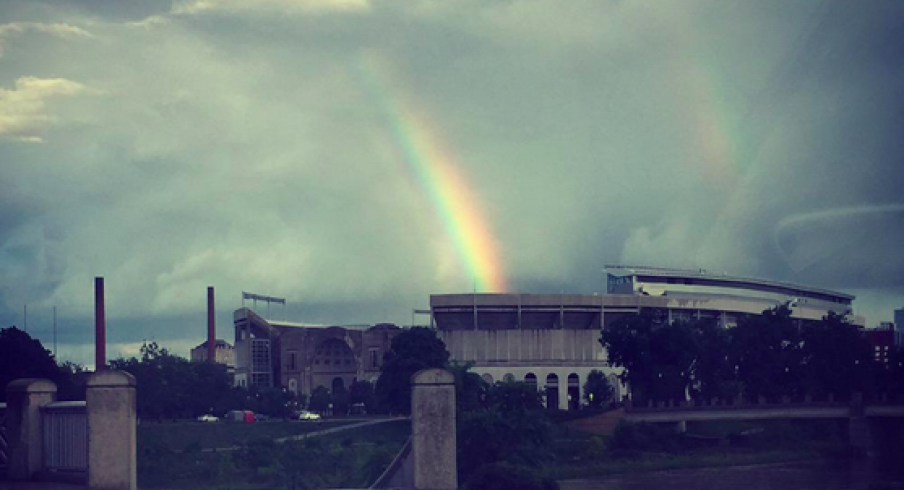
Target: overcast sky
(259,146)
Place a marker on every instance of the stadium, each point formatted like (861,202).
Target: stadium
(548,340)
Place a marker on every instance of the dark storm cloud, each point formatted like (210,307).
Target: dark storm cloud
(178,145)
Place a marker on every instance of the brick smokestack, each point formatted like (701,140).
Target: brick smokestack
(100,326)
(211,327)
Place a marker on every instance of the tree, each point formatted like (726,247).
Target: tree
(514,428)
(766,352)
(470,388)
(836,358)
(412,350)
(362,392)
(320,400)
(340,400)
(597,389)
(714,374)
(24,357)
(657,357)
(172,387)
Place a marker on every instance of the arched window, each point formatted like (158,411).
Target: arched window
(488,378)
(574,391)
(531,379)
(509,378)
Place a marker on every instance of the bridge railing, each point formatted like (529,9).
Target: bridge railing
(4,442)
(741,403)
(65,432)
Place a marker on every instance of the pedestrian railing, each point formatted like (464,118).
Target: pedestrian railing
(65,433)
(4,442)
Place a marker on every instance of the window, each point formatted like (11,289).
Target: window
(373,358)
(293,358)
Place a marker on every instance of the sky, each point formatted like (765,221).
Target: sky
(355,156)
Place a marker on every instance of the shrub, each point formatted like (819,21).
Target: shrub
(509,477)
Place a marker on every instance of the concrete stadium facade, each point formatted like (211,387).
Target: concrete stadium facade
(553,339)
(549,340)
(301,357)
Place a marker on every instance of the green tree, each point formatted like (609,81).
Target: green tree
(320,400)
(597,390)
(22,356)
(514,428)
(714,374)
(173,387)
(766,351)
(470,389)
(657,357)
(836,358)
(340,400)
(362,392)
(412,350)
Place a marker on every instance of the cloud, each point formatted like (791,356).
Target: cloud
(23,110)
(277,6)
(61,30)
(845,242)
(239,145)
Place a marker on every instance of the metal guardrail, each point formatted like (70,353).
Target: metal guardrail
(4,442)
(65,436)
(400,473)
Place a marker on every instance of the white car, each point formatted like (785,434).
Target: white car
(208,418)
(305,415)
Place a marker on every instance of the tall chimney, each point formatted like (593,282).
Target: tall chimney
(211,327)
(100,326)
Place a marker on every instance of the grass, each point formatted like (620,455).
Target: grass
(351,459)
(179,436)
(582,455)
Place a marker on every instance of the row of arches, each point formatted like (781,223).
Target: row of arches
(559,392)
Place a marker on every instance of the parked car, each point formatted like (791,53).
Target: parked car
(259,417)
(305,415)
(208,418)
(240,416)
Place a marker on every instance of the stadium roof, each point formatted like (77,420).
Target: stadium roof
(631,270)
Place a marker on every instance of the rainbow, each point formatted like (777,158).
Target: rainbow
(433,165)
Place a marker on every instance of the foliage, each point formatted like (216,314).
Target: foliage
(514,428)
(320,462)
(320,400)
(22,356)
(768,355)
(363,392)
(509,477)
(836,358)
(470,389)
(766,352)
(340,400)
(515,398)
(629,438)
(714,374)
(173,387)
(597,390)
(658,357)
(412,350)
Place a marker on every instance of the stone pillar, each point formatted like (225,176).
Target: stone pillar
(563,392)
(433,430)
(111,431)
(859,434)
(24,399)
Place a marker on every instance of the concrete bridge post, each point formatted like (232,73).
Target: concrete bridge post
(433,430)
(24,399)
(859,434)
(112,421)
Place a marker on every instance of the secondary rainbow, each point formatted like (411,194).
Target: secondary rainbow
(434,167)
